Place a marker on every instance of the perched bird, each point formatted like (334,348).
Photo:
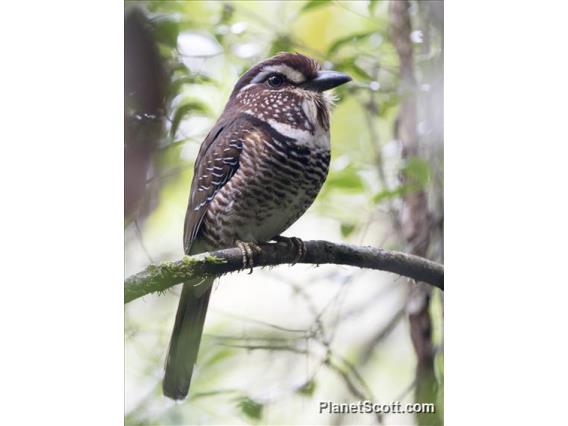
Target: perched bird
(256,173)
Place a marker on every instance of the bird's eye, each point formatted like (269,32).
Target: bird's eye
(275,80)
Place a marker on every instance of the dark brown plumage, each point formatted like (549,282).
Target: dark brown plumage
(256,173)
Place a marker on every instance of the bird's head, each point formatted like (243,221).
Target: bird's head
(289,89)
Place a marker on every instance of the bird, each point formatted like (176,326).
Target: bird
(258,170)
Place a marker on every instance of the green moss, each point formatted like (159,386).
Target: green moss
(215,260)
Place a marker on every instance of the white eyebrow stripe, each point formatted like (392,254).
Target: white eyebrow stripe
(290,73)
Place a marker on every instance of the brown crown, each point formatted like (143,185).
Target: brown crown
(303,64)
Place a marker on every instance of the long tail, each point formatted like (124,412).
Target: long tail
(186,336)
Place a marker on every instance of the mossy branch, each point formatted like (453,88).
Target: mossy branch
(194,269)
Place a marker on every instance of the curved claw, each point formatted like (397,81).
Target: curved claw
(296,243)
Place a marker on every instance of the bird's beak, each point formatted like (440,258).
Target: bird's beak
(325,80)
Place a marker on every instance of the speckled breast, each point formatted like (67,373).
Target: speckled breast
(277,180)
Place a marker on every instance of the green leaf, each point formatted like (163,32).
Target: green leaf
(307,389)
(227,13)
(250,407)
(182,111)
(389,194)
(350,39)
(361,72)
(347,229)
(166,32)
(349,66)
(176,85)
(281,44)
(218,357)
(346,179)
(312,4)
(387,103)
(417,171)
(372,6)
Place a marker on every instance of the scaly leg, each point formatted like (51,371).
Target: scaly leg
(247,250)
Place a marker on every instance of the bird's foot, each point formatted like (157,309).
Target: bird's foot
(296,243)
(247,250)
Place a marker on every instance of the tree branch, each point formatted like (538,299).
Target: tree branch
(194,269)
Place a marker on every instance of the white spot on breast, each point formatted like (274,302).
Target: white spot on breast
(319,140)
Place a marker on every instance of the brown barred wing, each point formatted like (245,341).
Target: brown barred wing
(216,163)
